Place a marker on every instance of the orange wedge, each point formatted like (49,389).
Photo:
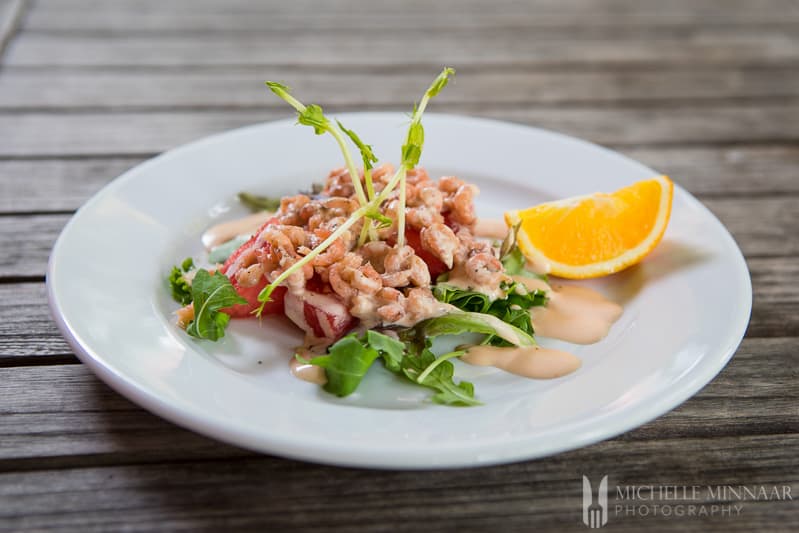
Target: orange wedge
(595,235)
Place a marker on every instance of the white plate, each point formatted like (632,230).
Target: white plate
(686,306)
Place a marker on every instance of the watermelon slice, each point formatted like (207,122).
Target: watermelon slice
(272,307)
(319,315)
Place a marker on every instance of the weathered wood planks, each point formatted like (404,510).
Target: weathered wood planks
(705,90)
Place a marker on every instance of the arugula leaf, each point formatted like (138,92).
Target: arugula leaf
(467,322)
(256,202)
(513,309)
(350,358)
(179,286)
(440,378)
(391,350)
(210,294)
(346,364)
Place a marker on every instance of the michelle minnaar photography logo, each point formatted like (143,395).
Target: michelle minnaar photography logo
(595,510)
(601,504)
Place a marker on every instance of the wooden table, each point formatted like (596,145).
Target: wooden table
(704,90)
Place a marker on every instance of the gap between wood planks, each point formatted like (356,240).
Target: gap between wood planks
(10,22)
(297,30)
(427,69)
(142,156)
(612,146)
(216,453)
(39,360)
(640,104)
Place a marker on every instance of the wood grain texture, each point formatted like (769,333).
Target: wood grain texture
(242,87)
(28,240)
(704,90)
(86,134)
(58,185)
(81,16)
(736,170)
(250,493)
(408,46)
(26,328)
(10,16)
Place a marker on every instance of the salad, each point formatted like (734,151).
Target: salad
(376,263)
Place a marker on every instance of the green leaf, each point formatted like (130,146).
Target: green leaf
(178,285)
(256,202)
(440,379)
(513,309)
(414,140)
(346,364)
(440,82)
(383,220)
(457,323)
(514,262)
(313,116)
(367,155)
(210,294)
(412,149)
(278,88)
(391,350)
(348,360)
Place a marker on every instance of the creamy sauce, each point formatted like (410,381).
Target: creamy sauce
(223,232)
(490,228)
(307,372)
(528,361)
(573,314)
(435,311)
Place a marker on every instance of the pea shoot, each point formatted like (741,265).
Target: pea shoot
(312,115)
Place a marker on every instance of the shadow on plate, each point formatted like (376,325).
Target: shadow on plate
(668,258)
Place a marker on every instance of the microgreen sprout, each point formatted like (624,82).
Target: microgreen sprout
(312,115)
(368,158)
(414,141)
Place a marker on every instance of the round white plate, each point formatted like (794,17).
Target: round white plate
(686,306)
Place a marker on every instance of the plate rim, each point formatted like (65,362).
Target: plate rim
(685,388)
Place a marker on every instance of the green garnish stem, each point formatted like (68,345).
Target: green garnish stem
(367,227)
(263,296)
(401,210)
(411,152)
(370,188)
(354,174)
(322,124)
